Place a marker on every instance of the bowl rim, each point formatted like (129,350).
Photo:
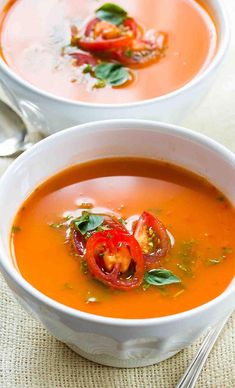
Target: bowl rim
(141,125)
(224,40)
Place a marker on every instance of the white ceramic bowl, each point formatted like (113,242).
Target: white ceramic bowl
(62,113)
(115,342)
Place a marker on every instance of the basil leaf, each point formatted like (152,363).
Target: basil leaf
(113,73)
(160,277)
(111,13)
(88,222)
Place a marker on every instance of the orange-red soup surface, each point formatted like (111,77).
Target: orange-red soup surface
(197,215)
(35,33)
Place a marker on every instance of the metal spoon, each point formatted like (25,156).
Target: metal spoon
(192,373)
(21,124)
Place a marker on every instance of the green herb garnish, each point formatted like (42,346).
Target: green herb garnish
(129,53)
(186,250)
(111,13)
(185,269)
(88,222)
(56,225)
(227,250)
(113,74)
(145,286)
(15,229)
(155,211)
(217,260)
(68,286)
(100,84)
(68,217)
(103,228)
(122,221)
(87,69)
(187,257)
(160,277)
(84,267)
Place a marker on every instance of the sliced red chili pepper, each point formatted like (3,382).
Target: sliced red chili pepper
(80,241)
(132,25)
(128,22)
(101,45)
(90,26)
(113,223)
(84,59)
(129,47)
(152,237)
(115,259)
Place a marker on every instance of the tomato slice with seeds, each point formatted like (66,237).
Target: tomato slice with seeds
(115,259)
(152,237)
(142,52)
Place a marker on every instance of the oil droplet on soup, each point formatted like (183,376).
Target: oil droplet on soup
(28,42)
(198,217)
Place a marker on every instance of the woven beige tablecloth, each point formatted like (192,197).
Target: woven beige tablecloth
(30,357)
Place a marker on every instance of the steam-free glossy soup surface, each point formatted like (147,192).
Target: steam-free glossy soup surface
(35,32)
(198,217)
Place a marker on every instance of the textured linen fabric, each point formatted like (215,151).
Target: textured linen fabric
(30,357)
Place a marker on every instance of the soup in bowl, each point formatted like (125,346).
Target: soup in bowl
(137,55)
(123,244)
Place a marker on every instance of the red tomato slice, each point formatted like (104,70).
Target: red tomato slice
(113,223)
(132,25)
(80,241)
(152,237)
(115,259)
(90,27)
(99,44)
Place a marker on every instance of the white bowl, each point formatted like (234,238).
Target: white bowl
(62,113)
(110,341)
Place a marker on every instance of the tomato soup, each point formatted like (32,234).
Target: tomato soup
(155,46)
(127,238)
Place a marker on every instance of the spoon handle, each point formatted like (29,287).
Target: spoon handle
(31,115)
(9,98)
(191,375)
